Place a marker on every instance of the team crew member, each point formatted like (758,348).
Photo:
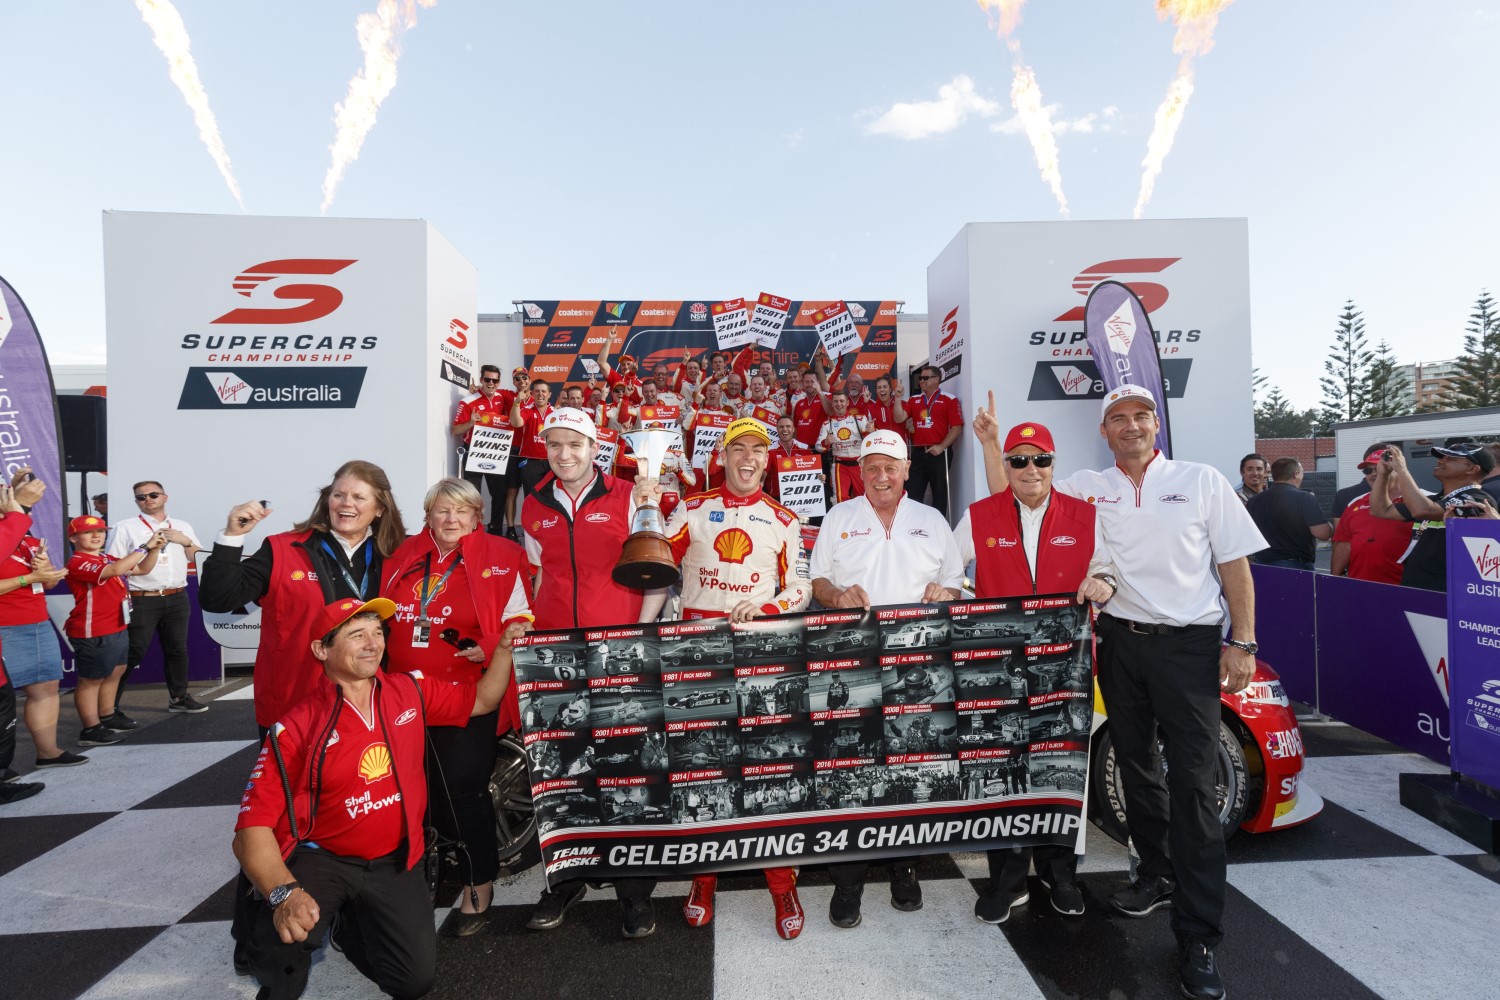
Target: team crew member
(1180,540)
(349,763)
(840,437)
(809,411)
(881,548)
(1460,470)
(626,376)
(451,583)
(159,600)
(741,557)
(1027,517)
(96,626)
(1366,547)
(780,457)
(886,411)
(937,420)
(527,416)
(576,523)
(490,406)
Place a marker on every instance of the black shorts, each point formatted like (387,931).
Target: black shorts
(96,657)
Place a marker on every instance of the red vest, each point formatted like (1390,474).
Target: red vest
(577,589)
(285,669)
(1064,547)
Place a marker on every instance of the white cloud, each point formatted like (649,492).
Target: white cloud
(956,101)
(1107,120)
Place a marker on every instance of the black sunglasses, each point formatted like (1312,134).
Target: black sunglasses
(147,496)
(490,381)
(1042,461)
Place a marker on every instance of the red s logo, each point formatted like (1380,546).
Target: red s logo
(458,333)
(1152,295)
(317,300)
(950,327)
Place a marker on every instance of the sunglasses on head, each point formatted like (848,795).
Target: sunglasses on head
(148,496)
(1042,461)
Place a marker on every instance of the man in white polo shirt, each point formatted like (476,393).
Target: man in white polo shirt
(882,548)
(159,603)
(1180,539)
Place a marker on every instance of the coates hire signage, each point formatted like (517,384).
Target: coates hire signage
(269,351)
(1009,301)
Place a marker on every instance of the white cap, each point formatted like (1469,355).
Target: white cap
(573,419)
(1124,394)
(883,443)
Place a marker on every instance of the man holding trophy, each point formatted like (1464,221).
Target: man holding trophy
(741,557)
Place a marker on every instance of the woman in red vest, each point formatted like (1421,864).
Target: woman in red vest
(461,596)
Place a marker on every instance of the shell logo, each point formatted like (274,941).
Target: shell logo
(733,546)
(375,762)
(843,434)
(297,574)
(485,573)
(429,587)
(843,534)
(536,525)
(786,463)
(990,542)
(346,606)
(1027,432)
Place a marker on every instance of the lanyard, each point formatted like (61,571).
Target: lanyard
(429,594)
(165,525)
(364,581)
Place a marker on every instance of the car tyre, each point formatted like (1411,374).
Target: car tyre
(1107,792)
(510,790)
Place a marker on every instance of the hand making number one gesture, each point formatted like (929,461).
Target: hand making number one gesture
(986,427)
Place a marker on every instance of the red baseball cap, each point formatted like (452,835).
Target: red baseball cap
(1029,434)
(1373,458)
(88,522)
(338,612)
(627,357)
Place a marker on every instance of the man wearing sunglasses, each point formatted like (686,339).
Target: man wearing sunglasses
(158,600)
(489,407)
(936,422)
(1029,539)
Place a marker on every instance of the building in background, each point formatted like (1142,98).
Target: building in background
(1431,384)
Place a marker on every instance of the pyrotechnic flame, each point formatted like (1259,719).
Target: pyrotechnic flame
(355,117)
(1196,20)
(1026,98)
(171,36)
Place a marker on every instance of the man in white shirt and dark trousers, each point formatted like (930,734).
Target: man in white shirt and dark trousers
(882,548)
(159,600)
(1180,539)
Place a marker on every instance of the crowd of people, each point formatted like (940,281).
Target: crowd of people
(367,629)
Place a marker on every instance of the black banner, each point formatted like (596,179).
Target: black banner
(685,747)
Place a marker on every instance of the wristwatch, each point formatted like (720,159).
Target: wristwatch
(1250,647)
(281,893)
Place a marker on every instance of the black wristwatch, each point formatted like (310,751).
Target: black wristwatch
(1251,647)
(281,893)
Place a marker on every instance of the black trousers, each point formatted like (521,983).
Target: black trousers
(1168,685)
(497,487)
(7,723)
(533,470)
(1055,864)
(634,888)
(166,617)
(460,760)
(848,874)
(386,930)
(929,471)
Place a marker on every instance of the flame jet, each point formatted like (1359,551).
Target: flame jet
(379,35)
(1195,20)
(1026,98)
(171,36)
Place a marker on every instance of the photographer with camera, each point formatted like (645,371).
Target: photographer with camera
(1396,497)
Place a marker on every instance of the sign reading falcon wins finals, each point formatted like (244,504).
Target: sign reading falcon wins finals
(561,339)
(685,747)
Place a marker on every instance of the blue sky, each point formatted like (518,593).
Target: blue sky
(665,149)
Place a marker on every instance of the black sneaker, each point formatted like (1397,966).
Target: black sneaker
(994,907)
(187,703)
(637,917)
(7,776)
(553,904)
(64,759)
(906,891)
(1196,972)
(119,722)
(1144,895)
(15,791)
(843,911)
(1066,898)
(98,736)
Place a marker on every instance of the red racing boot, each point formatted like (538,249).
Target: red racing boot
(789,916)
(698,910)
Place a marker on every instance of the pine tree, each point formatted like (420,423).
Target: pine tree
(1275,418)
(1478,380)
(1387,393)
(1348,365)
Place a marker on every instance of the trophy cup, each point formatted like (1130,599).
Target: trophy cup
(646,557)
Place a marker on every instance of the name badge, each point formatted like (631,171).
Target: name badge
(421,632)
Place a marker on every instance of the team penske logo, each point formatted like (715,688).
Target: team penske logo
(598,517)
(733,546)
(429,587)
(406,716)
(573,857)
(375,762)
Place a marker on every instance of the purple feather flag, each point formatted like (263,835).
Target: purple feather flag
(1124,348)
(29,433)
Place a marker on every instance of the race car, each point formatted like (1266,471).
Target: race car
(1259,764)
(713,696)
(698,651)
(988,630)
(772,644)
(845,639)
(916,635)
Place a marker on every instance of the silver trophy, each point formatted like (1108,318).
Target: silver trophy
(646,557)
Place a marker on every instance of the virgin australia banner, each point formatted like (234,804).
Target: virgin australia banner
(1474,647)
(1124,348)
(671,749)
(28,416)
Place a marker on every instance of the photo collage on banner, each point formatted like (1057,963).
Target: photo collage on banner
(936,727)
